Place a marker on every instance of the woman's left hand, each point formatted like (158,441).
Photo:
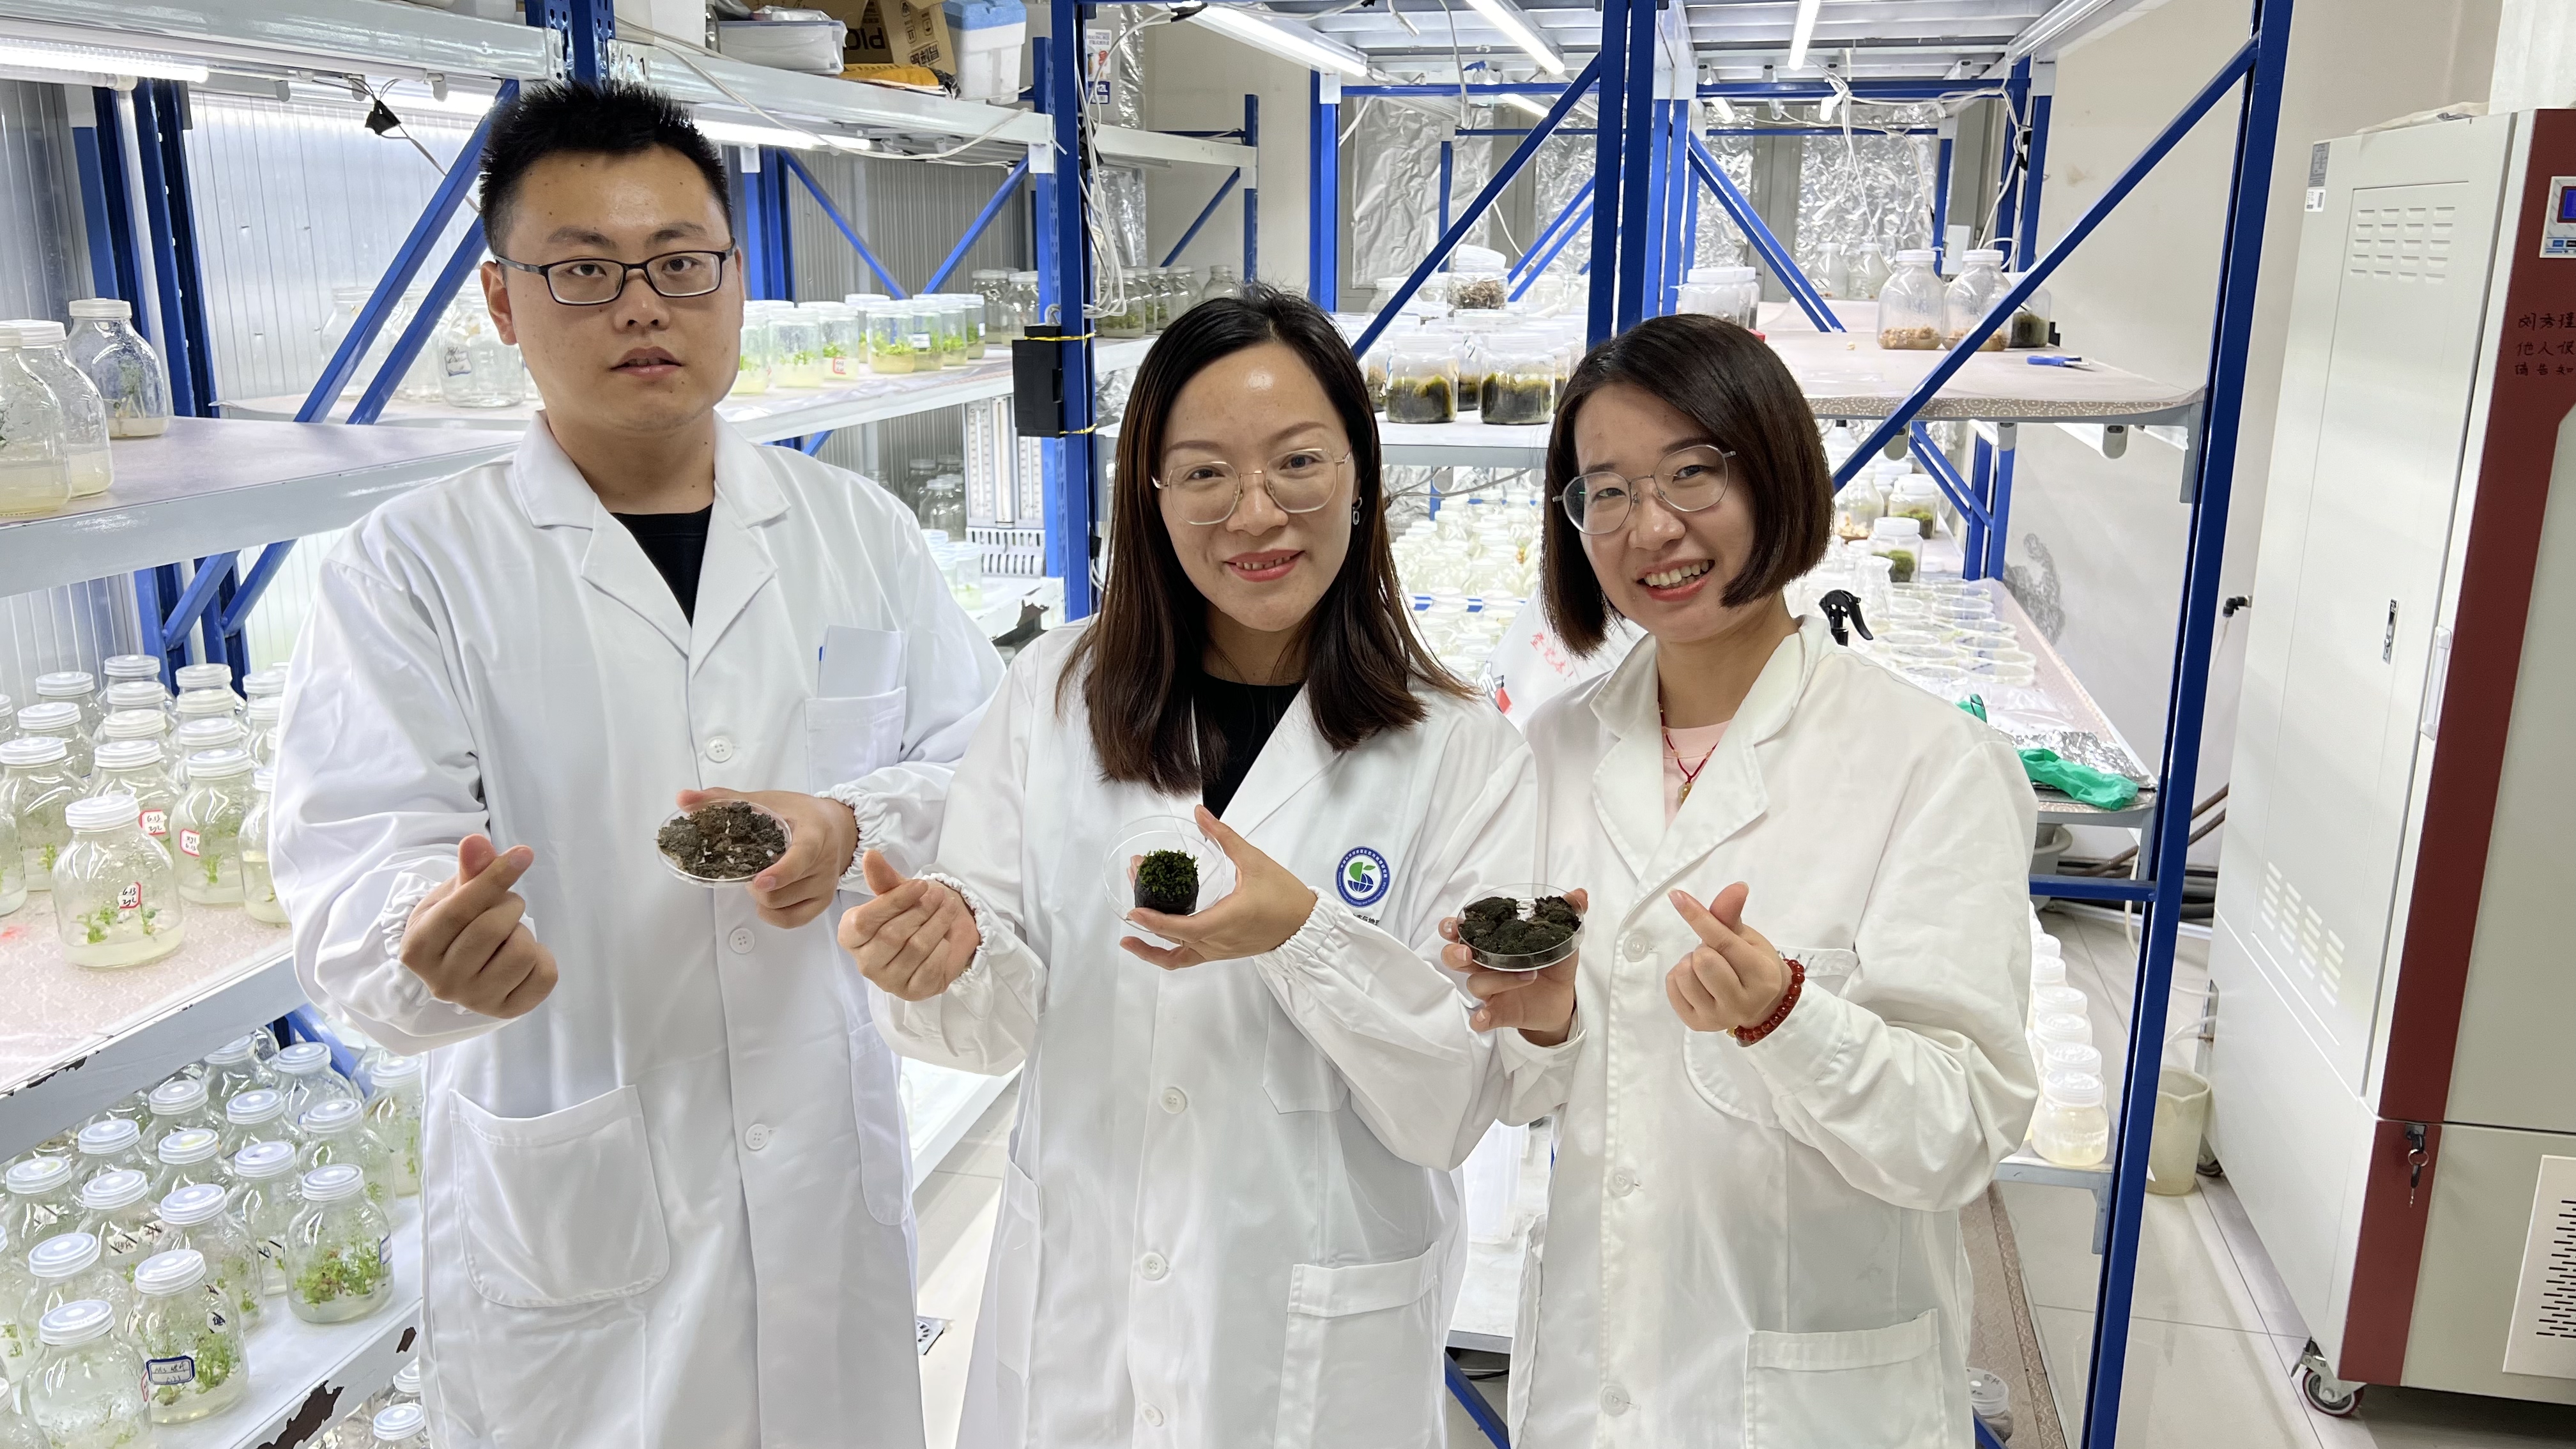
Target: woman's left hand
(1735,978)
(1267,906)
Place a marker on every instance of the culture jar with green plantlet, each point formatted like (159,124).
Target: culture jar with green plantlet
(265,1206)
(67,1268)
(189,1328)
(88,1389)
(259,884)
(116,896)
(337,1131)
(393,1114)
(118,1210)
(339,1250)
(208,827)
(189,1157)
(307,1075)
(237,1067)
(195,1217)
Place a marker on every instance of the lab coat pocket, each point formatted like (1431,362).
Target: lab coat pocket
(848,736)
(885,1163)
(561,1209)
(1726,1078)
(1873,1388)
(1362,1366)
(1296,1073)
(1014,1290)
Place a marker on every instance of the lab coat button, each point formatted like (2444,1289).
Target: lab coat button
(1152,1415)
(719,749)
(1153,1267)
(1614,1400)
(1175,1101)
(1622,1183)
(1636,945)
(740,940)
(758,1137)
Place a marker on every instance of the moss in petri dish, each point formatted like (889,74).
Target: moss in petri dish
(1168,881)
(1495,925)
(728,840)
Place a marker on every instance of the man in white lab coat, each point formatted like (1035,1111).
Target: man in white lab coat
(664,1170)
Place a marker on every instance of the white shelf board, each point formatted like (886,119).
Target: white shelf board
(1466,443)
(1126,143)
(382,37)
(799,95)
(210,485)
(946,1104)
(303,1376)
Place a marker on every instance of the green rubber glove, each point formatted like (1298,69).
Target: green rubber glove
(2081,783)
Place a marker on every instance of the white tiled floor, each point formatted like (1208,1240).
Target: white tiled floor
(2213,1338)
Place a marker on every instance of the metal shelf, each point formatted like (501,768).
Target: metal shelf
(383,37)
(1126,143)
(798,95)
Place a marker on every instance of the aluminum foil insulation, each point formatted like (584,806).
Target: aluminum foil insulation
(1391,155)
(1720,243)
(1118,198)
(1857,186)
(1562,165)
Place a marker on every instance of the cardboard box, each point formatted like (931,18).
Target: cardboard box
(895,32)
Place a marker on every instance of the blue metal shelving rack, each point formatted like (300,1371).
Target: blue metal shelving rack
(1635,204)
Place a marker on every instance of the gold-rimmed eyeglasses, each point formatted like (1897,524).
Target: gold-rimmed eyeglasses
(1300,480)
(1689,480)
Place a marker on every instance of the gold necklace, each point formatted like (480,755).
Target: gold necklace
(1690,772)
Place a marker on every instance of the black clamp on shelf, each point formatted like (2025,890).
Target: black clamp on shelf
(1037,382)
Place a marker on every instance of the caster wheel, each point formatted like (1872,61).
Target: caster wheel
(2330,1396)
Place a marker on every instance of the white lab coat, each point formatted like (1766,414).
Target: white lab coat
(668,1207)
(1759,1246)
(1229,1217)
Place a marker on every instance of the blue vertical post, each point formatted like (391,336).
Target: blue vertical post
(1062,252)
(1690,190)
(2035,168)
(1981,485)
(1252,194)
(1324,190)
(2007,205)
(1636,164)
(116,268)
(1608,153)
(1448,170)
(2231,330)
(169,223)
(1941,194)
(1678,192)
(1999,534)
(1658,178)
(587,27)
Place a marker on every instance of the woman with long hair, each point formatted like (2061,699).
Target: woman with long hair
(1228,1217)
(1801,1046)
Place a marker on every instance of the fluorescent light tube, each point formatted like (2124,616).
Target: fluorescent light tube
(732,133)
(1801,31)
(1283,38)
(1507,18)
(1523,103)
(89,60)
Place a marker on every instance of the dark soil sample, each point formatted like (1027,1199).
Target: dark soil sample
(729,840)
(1496,927)
(1168,881)
(1519,400)
(1484,293)
(1427,400)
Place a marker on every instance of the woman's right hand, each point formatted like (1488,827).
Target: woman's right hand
(915,939)
(1540,1003)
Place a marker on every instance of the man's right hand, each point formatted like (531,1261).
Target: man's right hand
(914,939)
(467,941)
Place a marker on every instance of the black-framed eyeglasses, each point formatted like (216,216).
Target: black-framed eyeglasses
(1300,480)
(598,281)
(1688,480)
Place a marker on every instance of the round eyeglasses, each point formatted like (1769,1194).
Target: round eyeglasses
(598,281)
(1689,480)
(1300,480)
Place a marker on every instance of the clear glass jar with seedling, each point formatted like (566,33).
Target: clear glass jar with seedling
(67,1268)
(339,1253)
(195,1217)
(262,719)
(17,1431)
(118,1210)
(337,1131)
(105,1145)
(208,827)
(60,720)
(215,679)
(951,331)
(75,687)
(306,1074)
(237,1067)
(130,377)
(44,1199)
(189,1328)
(131,696)
(889,338)
(257,1115)
(181,1102)
(393,1114)
(88,1388)
(799,335)
(189,1156)
(264,1205)
(136,768)
(973,324)
(259,884)
(116,900)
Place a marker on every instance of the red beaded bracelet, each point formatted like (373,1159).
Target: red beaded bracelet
(1748,1035)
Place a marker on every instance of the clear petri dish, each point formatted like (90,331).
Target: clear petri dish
(1524,895)
(786,839)
(1138,839)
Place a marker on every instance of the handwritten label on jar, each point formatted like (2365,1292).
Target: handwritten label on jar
(156,823)
(385,1253)
(129,896)
(188,841)
(171,1373)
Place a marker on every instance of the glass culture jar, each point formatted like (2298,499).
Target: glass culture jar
(1869,270)
(259,887)
(2071,1128)
(60,720)
(194,1217)
(128,669)
(256,1114)
(128,374)
(135,724)
(264,1204)
(800,349)
(264,715)
(1917,499)
(1727,292)
(337,1131)
(132,694)
(269,683)
(1520,383)
(44,1199)
(237,1067)
(308,1078)
(973,323)
(75,687)
(66,1268)
(921,335)
(1422,380)
(400,1426)
(208,824)
(1025,303)
(116,899)
(752,364)
(88,1388)
(118,1210)
(40,347)
(2031,325)
(339,1253)
(1911,306)
(204,676)
(35,467)
(178,1104)
(1857,507)
(203,737)
(393,1114)
(889,338)
(1970,295)
(133,767)
(189,1329)
(13,866)
(1897,541)
(196,704)
(190,1157)
(993,284)
(476,369)
(950,332)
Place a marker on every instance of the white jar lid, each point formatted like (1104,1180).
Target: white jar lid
(2047,970)
(131,666)
(2071,1056)
(196,1203)
(114,1189)
(2070,1089)
(334,1182)
(111,1134)
(39,332)
(63,1255)
(219,764)
(75,1323)
(337,1115)
(407,1378)
(1895,529)
(264,1159)
(204,676)
(1915,256)
(52,715)
(135,724)
(1985,255)
(178,1095)
(135,694)
(102,812)
(118,754)
(175,1271)
(267,710)
(65,684)
(400,1422)
(259,682)
(188,1144)
(302,1059)
(38,1175)
(264,780)
(259,1104)
(112,308)
(391,1068)
(35,750)
(240,1049)
(205,703)
(2047,1000)
(2062,1026)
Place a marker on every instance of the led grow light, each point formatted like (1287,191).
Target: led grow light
(92,60)
(1283,38)
(1507,18)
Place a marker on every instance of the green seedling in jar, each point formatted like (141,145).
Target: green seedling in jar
(214,1354)
(107,921)
(1922,513)
(349,1270)
(1167,881)
(336,1249)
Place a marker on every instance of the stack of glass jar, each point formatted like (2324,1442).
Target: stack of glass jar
(2071,1126)
(1470,566)
(1505,367)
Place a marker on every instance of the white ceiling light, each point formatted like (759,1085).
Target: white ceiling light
(91,60)
(1801,31)
(1507,18)
(732,133)
(1287,39)
(1524,103)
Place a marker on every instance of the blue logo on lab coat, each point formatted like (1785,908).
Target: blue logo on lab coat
(1362,877)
